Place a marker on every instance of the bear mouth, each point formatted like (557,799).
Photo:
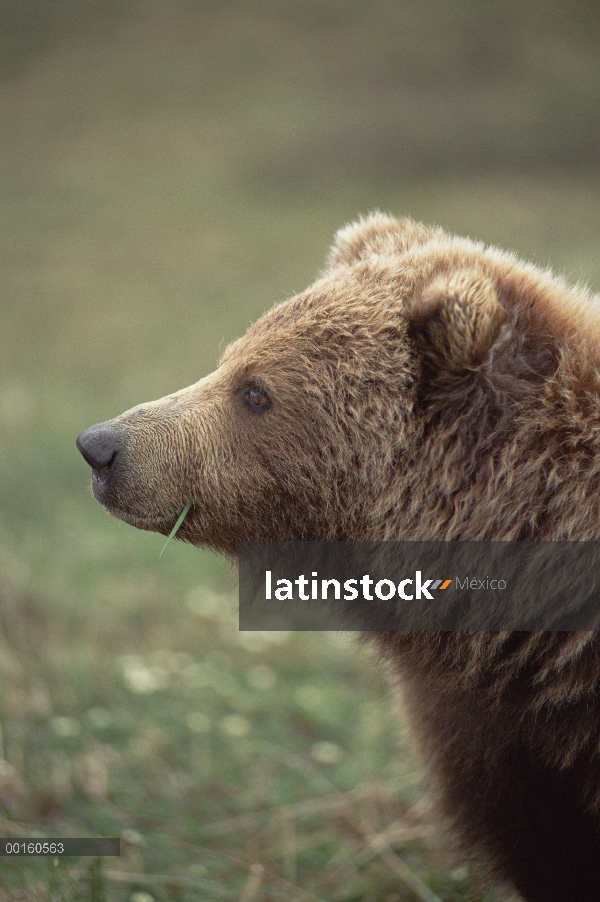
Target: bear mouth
(106,495)
(162,525)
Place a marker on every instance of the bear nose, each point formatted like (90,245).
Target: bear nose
(100,446)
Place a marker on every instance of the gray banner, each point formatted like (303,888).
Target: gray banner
(34,846)
(420,586)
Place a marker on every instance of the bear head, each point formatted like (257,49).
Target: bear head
(401,396)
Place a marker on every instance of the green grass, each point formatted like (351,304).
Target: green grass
(208,751)
(178,523)
(171,170)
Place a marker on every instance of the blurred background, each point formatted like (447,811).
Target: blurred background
(169,171)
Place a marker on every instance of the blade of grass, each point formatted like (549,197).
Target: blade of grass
(180,520)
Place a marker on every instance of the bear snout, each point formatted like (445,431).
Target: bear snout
(101,447)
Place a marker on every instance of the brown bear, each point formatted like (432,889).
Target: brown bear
(425,387)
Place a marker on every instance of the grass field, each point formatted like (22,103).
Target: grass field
(169,171)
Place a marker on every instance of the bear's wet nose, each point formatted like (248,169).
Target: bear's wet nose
(100,446)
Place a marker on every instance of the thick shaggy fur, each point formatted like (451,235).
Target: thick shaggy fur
(425,387)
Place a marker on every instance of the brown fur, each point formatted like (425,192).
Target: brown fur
(425,387)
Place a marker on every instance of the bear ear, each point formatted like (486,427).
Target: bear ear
(377,233)
(456,320)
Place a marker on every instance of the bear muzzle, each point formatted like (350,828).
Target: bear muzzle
(103,448)
(141,494)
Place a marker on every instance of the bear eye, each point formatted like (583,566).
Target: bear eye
(256,398)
